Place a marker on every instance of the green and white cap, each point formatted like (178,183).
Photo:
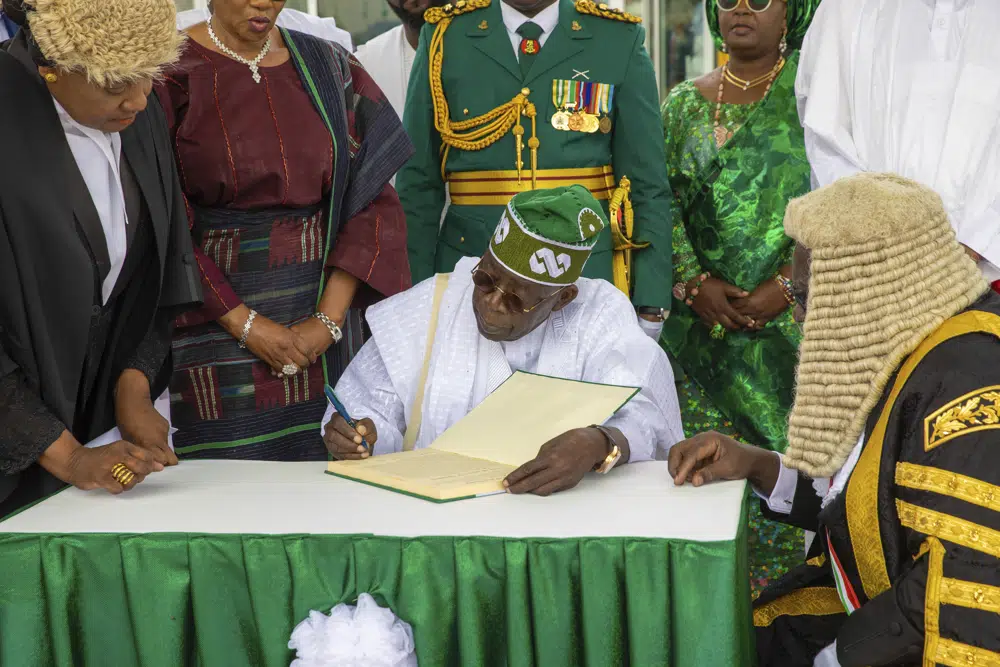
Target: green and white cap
(546,236)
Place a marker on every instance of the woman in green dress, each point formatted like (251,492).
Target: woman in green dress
(736,156)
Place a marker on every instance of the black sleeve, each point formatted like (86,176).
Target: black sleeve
(28,427)
(945,605)
(152,353)
(805,508)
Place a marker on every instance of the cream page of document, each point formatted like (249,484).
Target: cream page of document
(527,411)
(426,468)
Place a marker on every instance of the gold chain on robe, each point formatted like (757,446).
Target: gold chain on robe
(482,131)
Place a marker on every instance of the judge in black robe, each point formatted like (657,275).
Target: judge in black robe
(905,567)
(74,364)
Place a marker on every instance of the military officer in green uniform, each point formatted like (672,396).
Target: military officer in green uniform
(512,95)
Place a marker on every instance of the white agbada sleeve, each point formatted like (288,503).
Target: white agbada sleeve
(367,392)
(823,88)
(619,352)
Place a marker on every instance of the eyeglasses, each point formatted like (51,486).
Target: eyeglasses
(756,6)
(801,296)
(487,284)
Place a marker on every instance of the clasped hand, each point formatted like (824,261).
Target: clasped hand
(719,302)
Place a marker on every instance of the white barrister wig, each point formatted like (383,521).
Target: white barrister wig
(365,635)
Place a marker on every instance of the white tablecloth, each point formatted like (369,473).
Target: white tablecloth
(250,497)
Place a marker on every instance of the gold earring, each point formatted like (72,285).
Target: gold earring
(51,77)
(783,45)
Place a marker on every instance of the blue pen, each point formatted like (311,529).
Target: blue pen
(342,411)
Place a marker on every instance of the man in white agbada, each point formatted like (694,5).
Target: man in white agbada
(324,28)
(909,87)
(523,306)
(389,57)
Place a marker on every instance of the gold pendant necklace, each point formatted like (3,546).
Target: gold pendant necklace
(721,133)
(747,84)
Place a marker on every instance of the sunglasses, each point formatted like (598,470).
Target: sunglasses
(487,284)
(756,6)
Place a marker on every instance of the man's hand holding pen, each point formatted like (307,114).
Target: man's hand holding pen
(348,444)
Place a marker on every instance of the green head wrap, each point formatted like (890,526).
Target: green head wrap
(800,14)
(546,236)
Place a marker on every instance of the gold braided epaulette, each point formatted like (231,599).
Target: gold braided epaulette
(605,12)
(435,14)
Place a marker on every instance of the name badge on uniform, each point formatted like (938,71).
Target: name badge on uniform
(582,106)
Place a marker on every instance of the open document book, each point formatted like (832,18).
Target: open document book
(505,431)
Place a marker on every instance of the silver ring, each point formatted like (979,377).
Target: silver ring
(290,369)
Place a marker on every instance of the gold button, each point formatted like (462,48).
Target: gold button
(465,111)
(979,595)
(461,240)
(525,91)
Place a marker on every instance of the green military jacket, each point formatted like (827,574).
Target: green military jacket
(480,73)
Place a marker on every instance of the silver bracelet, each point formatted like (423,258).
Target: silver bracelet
(246,329)
(331,326)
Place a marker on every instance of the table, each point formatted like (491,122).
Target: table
(213,563)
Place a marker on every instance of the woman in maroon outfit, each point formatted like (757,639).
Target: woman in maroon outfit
(285,148)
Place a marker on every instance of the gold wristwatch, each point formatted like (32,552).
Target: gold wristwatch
(614,456)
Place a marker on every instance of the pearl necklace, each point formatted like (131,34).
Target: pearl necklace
(254,64)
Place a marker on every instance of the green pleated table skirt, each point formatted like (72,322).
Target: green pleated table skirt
(228,600)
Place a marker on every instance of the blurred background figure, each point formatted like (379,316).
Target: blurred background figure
(736,156)
(907,87)
(389,57)
(7,26)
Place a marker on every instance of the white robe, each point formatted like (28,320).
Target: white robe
(388,58)
(595,338)
(290,19)
(909,86)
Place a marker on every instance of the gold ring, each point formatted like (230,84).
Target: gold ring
(122,474)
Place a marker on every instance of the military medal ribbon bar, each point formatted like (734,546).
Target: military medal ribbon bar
(582,106)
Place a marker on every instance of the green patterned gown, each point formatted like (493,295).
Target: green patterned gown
(729,207)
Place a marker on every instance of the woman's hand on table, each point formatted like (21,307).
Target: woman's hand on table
(714,304)
(315,334)
(138,420)
(91,468)
(278,346)
(345,443)
(765,304)
(710,457)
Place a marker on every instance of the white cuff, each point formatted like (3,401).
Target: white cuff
(781,498)
(651,329)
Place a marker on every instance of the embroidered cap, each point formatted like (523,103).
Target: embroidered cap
(546,236)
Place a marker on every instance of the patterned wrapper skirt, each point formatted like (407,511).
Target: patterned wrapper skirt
(224,401)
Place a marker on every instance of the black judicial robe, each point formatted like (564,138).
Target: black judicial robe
(916,532)
(62,349)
